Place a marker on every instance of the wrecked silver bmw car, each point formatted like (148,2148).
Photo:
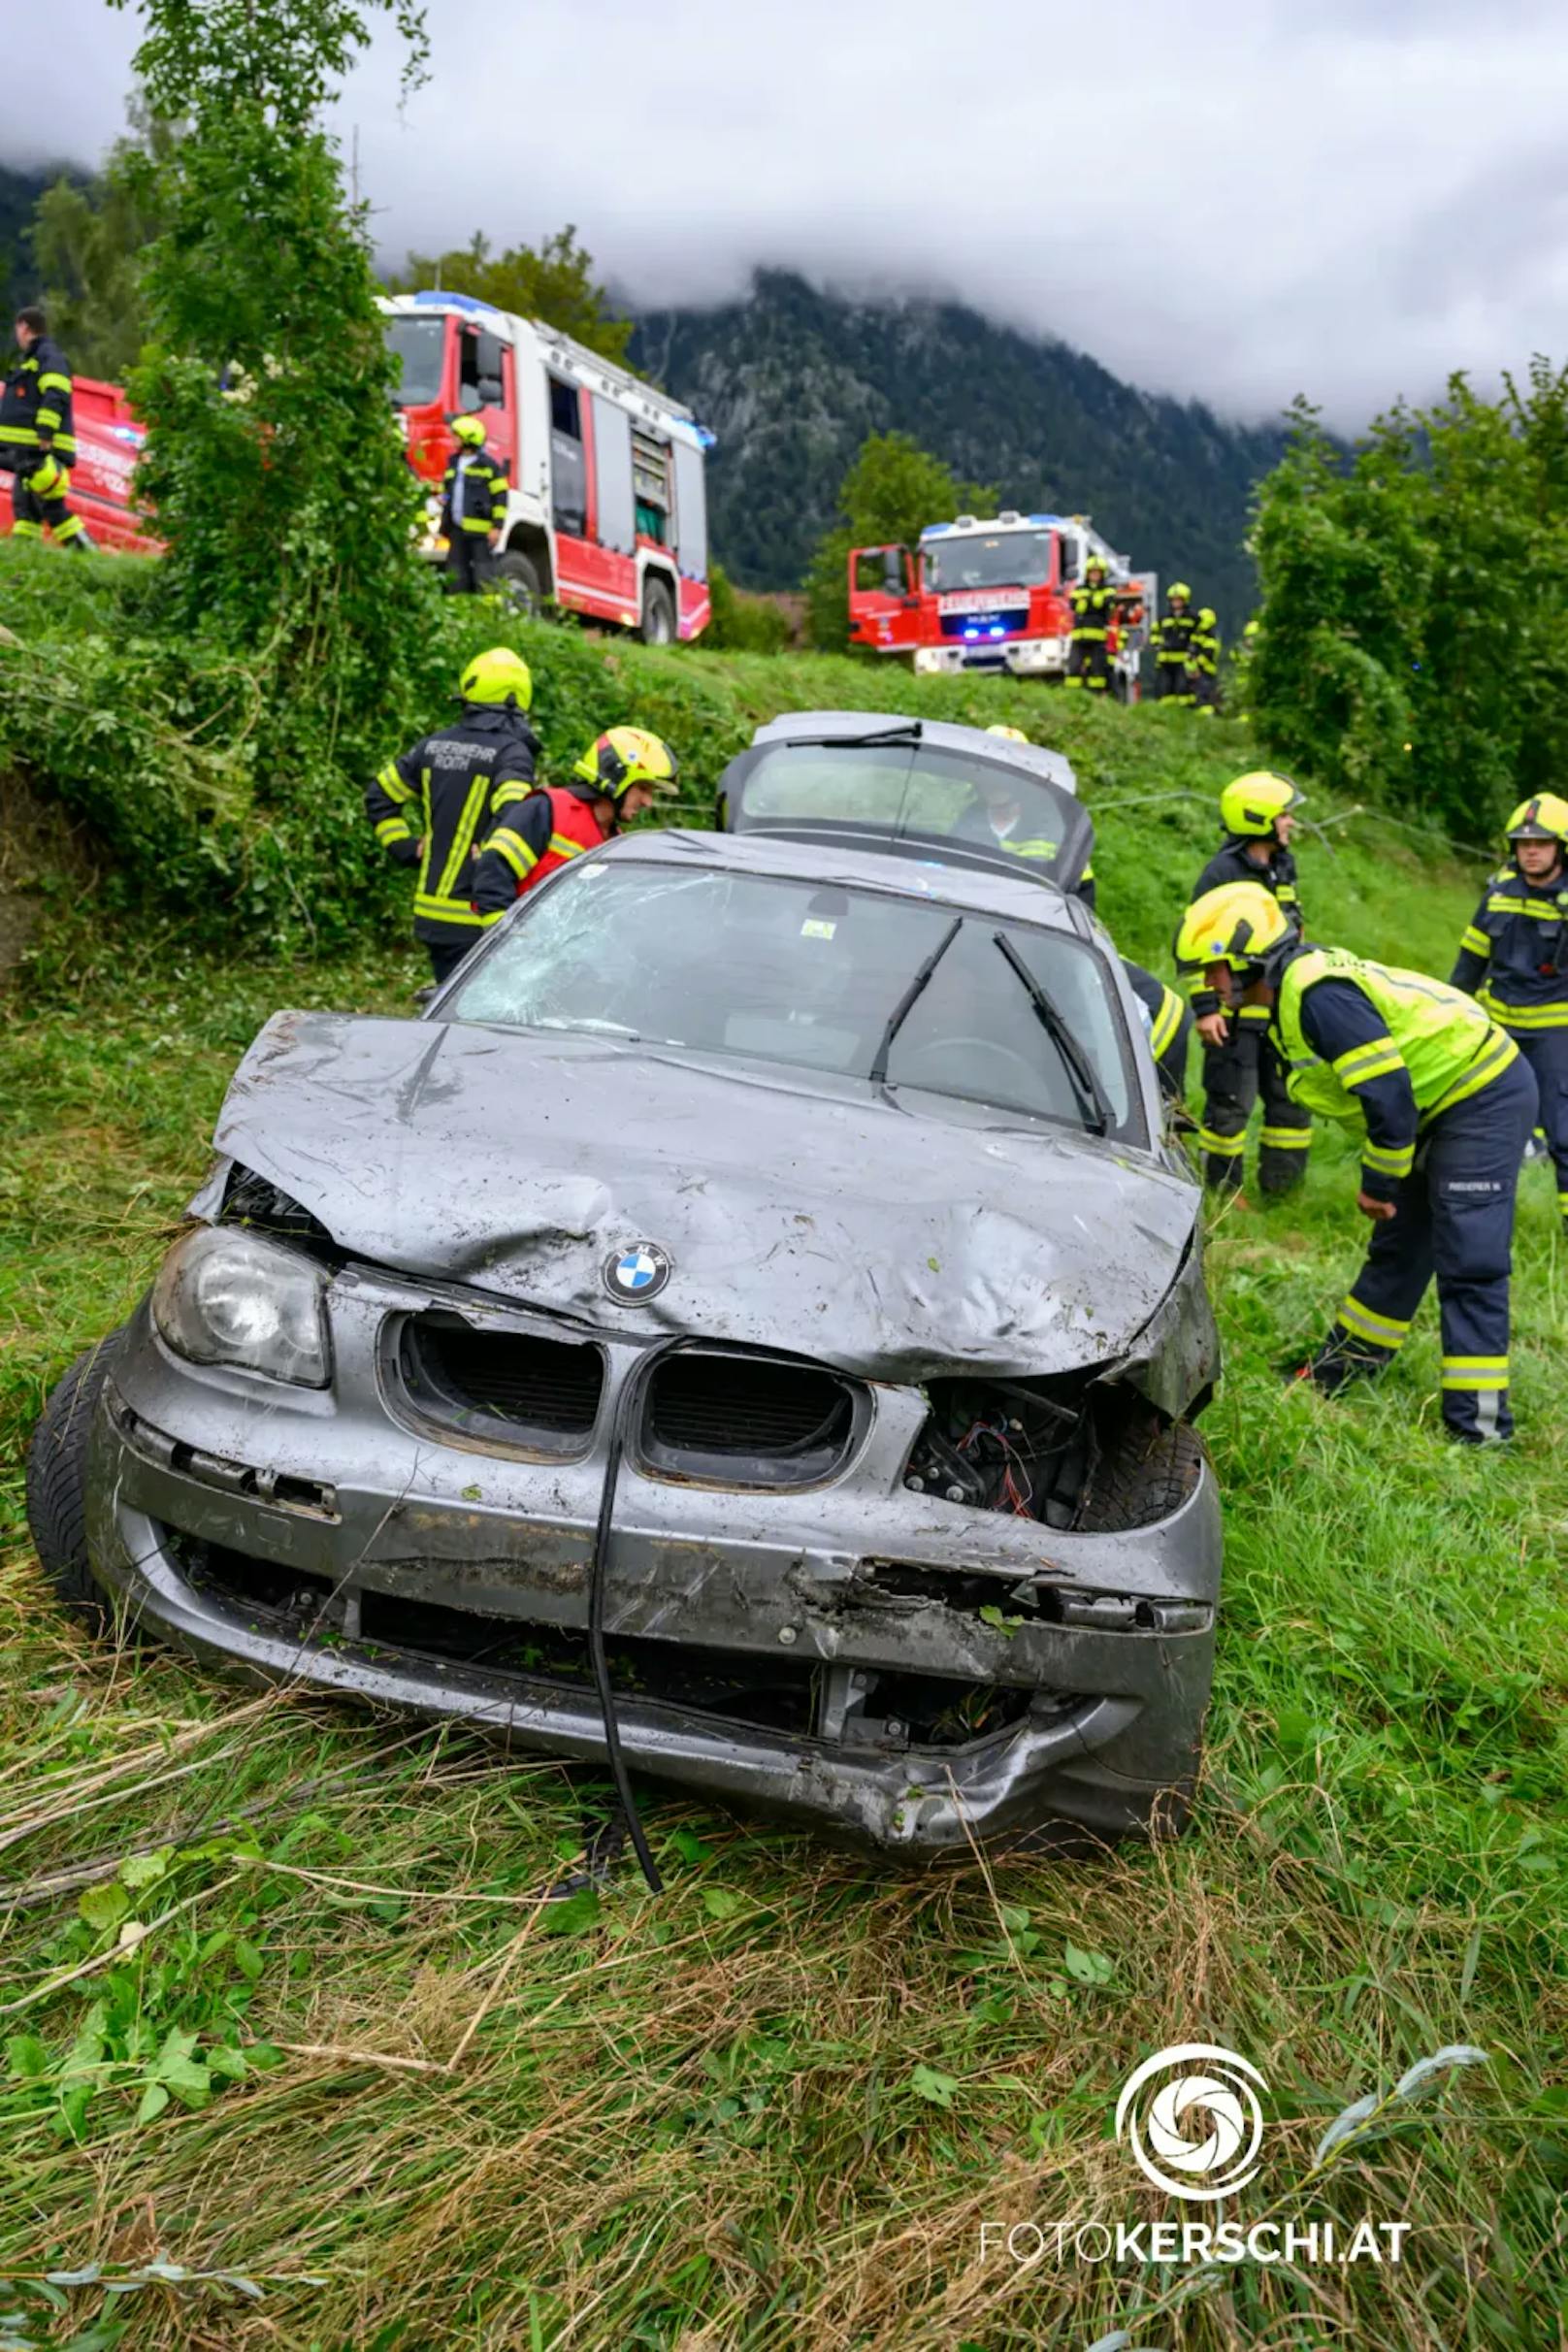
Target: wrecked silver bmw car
(751,1322)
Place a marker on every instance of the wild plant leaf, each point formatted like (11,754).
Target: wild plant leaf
(1441,2062)
(1345,2125)
(930,2083)
(103,1906)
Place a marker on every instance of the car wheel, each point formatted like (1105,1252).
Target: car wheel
(1146,1476)
(658,615)
(517,576)
(57,1484)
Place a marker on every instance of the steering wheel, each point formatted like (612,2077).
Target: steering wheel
(987,1049)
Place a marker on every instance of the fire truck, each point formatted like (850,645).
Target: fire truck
(606,509)
(992,595)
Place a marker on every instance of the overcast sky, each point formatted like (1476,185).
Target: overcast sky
(1238,202)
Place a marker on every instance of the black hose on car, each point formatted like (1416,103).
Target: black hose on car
(631,1394)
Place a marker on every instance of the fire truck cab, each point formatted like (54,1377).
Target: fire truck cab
(606,510)
(994,595)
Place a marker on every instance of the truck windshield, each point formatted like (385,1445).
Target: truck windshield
(766,969)
(1011,559)
(418,346)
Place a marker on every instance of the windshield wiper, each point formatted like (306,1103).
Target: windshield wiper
(906,1004)
(1080,1069)
(907,731)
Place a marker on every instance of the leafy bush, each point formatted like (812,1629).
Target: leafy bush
(1414,637)
(743,623)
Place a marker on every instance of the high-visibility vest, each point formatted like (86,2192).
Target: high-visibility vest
(1443,1039)
(573,827)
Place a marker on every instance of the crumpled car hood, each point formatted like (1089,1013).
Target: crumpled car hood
(893,1240)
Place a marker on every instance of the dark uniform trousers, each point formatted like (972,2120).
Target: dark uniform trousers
(1234,1075)
(38,500)
(1546,1049)
(1454,1218)
(470,565)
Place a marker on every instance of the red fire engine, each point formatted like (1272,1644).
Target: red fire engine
(606,510)
(994,595)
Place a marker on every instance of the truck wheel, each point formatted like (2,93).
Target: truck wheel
(1145,1477)
(658,615)
(57,1483)
(517,576)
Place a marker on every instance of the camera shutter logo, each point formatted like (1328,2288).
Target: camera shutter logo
(1190,2115)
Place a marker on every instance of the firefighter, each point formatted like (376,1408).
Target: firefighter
(37,444)
(1164,1012)
(615,781)
(1238,1060)
(1514,959)
(1172,637)
(474,503)
(1205,663)
(1447,1103)
(432,804)
(1093,608)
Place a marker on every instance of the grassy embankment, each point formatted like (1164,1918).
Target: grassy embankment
(771,2107)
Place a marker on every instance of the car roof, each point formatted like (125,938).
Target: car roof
(977,890)
(942,735)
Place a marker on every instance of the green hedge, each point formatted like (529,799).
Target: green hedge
(147,747)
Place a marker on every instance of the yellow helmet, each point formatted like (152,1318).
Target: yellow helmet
(1013,735)
(1250,628)
(625,756)
(1248,805)
(1093,560)
(1240,924)
(1544,818)
(468,429)
(1207,617)
(1178,588)
(498,676)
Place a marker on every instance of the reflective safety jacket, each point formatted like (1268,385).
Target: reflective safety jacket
(1392,1050)
(1206,643)
(474,493)
(1166,1009)
(550,826)
(1172,636)
(446,791)
(1093,609)
(1232,863)
(1514,955)
(35,407)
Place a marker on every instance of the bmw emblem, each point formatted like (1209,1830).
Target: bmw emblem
(638,1274)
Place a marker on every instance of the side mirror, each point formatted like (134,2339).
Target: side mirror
(491,392)
(894,581)
(469,398)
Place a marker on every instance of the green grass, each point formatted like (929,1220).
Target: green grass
(771,2107)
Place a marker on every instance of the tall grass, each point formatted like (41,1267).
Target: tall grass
(358,2066)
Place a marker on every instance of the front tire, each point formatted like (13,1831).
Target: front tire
(57,1485)
(517,576)
(658,614)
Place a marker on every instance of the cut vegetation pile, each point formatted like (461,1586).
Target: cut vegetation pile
(282,2003)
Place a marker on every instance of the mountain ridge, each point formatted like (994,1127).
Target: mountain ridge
(792,378)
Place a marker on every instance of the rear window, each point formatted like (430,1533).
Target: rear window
(913,792)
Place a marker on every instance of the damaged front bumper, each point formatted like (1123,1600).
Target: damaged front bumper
(776,1648)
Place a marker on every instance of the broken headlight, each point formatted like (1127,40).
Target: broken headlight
(225,1298)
